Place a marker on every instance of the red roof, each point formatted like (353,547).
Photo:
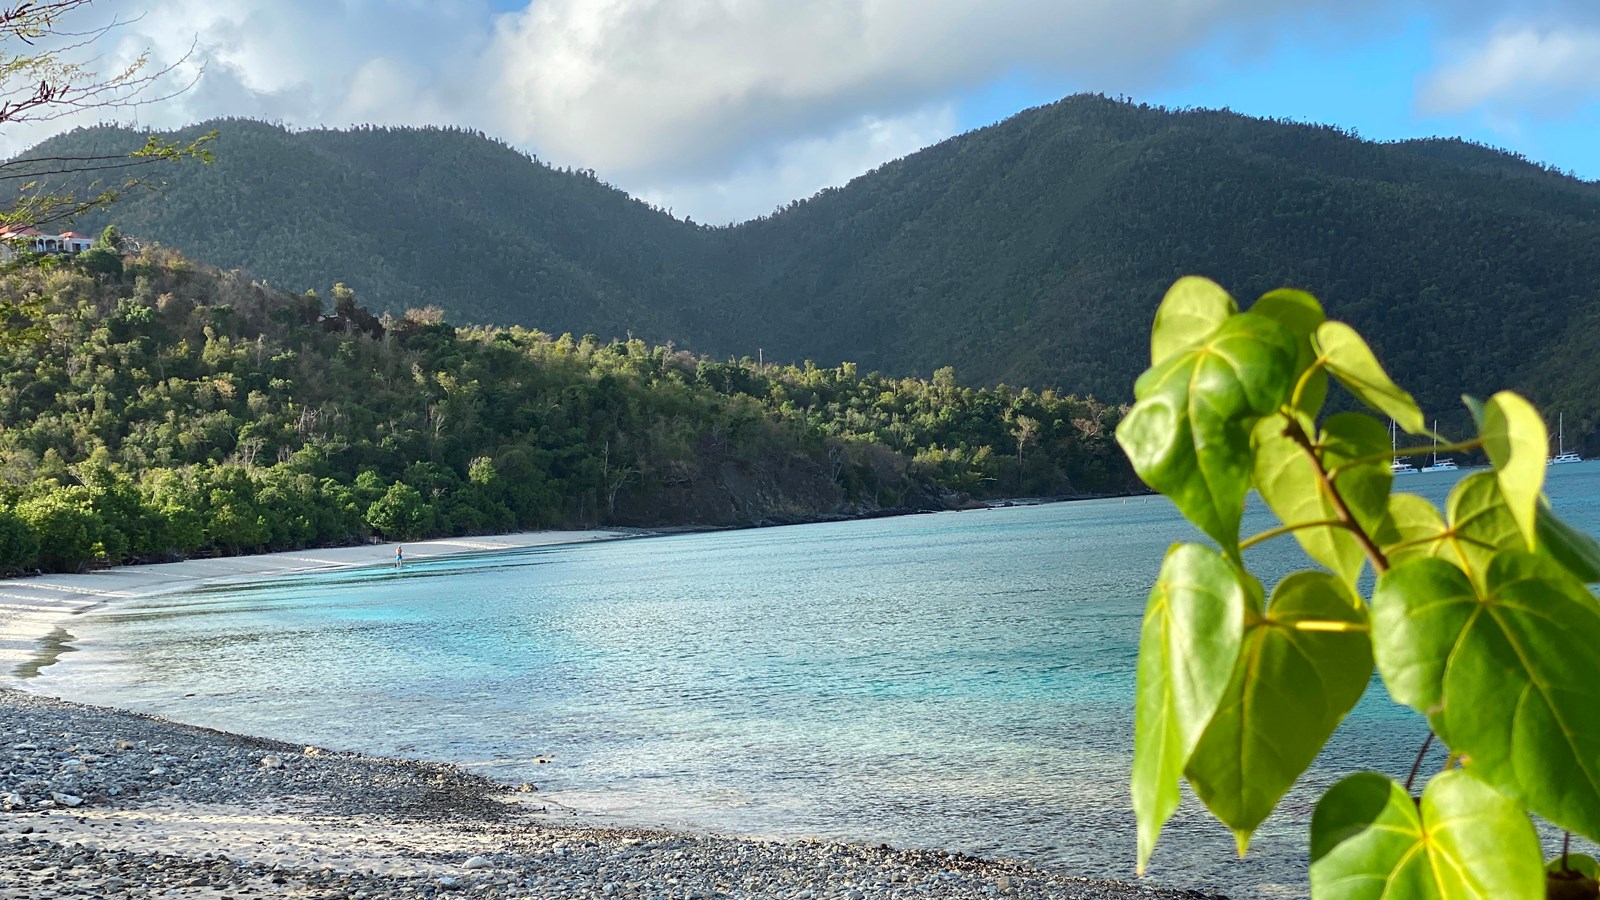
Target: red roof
(74,234)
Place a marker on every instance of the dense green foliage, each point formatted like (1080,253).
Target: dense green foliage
(160,409)
(1025,252)
(1480,619)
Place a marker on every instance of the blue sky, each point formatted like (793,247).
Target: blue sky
(724,109)
(1367,81)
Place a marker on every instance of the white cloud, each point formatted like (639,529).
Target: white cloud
(725,108)
(1519,66)
(303,62)
(802,167)
(682,86)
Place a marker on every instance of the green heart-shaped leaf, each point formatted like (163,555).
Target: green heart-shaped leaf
(1193,309)
(1514,437)
(1302,667)
(1350,360)
(1415,527)
(1193,625)
(1480,526)
(1287,481)
(1300,313)
(1188,434)
(1577,552)
(1464,841)
(1507,674)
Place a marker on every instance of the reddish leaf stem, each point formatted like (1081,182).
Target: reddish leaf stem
(1418,763)
(1341,511)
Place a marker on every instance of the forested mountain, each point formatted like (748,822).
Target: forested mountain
(157,408)
(1031,252)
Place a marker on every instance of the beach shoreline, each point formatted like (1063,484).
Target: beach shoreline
(33,608)
(99,802)
(96,801)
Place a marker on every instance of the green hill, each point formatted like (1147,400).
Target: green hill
(1031,252)
(161,408)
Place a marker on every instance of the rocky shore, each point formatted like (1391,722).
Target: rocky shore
(104,803)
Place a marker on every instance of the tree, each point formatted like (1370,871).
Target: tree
(43,79)
(18,546)
(400,514)
(104,257)
(1480,619)
(65,526)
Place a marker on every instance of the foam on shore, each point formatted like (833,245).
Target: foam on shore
(32,608)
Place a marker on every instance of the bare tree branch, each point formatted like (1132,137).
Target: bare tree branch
(46,74)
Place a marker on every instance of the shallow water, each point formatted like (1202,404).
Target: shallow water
(961,681)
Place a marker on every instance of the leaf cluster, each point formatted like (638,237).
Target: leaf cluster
(1479,619)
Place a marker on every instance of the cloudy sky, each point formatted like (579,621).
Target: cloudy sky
(723,109)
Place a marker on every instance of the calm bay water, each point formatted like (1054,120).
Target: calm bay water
(960,681)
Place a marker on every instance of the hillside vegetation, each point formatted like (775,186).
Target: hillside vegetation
(160,409)
(1030,252)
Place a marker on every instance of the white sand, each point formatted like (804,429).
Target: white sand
(33,608)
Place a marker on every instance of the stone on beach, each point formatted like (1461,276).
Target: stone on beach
(342,825)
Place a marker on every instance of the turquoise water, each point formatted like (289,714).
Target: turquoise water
(959,681)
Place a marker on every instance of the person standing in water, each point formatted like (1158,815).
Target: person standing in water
(399,557)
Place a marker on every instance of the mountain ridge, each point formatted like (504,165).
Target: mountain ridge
(1031,251)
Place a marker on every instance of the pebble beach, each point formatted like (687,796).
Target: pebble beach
(99,802)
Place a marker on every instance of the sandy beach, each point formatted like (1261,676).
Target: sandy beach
(33,608)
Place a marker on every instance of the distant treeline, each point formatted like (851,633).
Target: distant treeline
(153,409)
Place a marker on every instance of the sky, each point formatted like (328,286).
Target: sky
(722,110)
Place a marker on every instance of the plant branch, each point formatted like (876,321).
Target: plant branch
(1447,534)
(1305,379)
(1282,530)
(1417,764)
(1346,519)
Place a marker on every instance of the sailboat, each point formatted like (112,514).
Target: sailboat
(1439,465)
(1397,466)
(1564,455)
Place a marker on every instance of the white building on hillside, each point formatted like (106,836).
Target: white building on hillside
(15,239)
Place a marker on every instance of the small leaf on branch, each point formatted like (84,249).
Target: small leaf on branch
(1415,526)
(1286,479)
(1193,626)
(1352,362)
(1302,667)
(1577,552)
(1188,434)
(1515,439)
(1300,313)
(1480,526)
(1193,309)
